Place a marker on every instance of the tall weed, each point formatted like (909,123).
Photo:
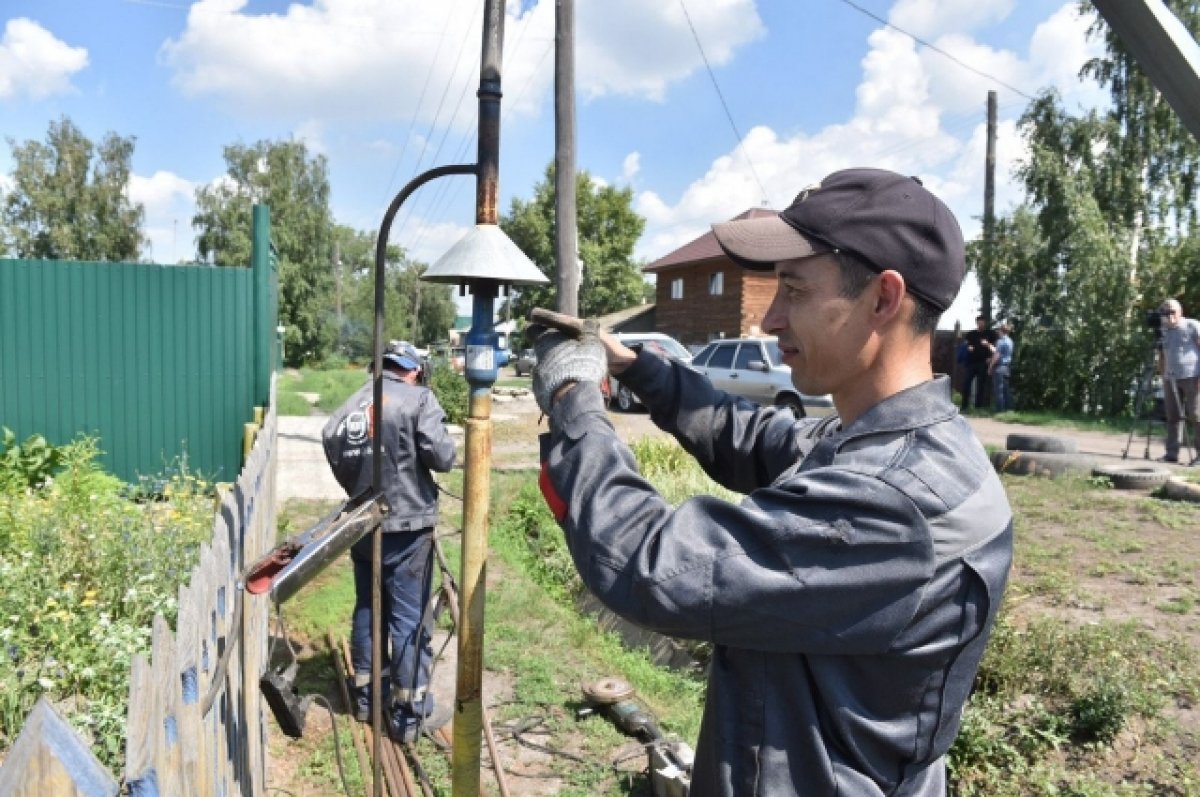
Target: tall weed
(84,571)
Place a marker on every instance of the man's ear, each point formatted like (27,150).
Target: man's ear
(889,296)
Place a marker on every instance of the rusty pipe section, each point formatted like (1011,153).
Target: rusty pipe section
(468,695)
(487,186)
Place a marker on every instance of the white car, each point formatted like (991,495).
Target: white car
(622,396)
(753,368)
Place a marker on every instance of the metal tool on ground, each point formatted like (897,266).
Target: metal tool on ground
(670,761)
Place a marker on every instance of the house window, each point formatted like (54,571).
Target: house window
(716,283)
(677,288)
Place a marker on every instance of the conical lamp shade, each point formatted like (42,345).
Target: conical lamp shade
(485,253)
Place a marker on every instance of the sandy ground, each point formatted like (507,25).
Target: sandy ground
(303,472)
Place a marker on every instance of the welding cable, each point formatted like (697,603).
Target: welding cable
(447,492)
(337,741)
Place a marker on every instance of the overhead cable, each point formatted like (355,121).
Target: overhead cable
(935,48)
(712,76)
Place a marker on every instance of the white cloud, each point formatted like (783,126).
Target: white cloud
(1059,48)
(908,118)
(928,18)
(637,48)
(630,167)
(311,132)
(35,63)
(380,59)
(169,201)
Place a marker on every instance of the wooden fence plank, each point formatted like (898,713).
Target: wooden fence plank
(140,773)
(165,666)
(49,758)
(187,664)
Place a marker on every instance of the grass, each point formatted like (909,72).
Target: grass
(333,385)
(1080,693)
(1055,420)
(535,639)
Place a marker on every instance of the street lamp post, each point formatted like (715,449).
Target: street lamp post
(484,261)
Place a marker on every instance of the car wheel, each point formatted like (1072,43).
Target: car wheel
(793,403)
(625,400)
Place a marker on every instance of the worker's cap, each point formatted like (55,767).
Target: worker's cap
(403,355)
(884,219)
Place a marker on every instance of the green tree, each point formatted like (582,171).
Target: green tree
(416,311)
(608,231)
(1108,230)
(281,175)
(69,199)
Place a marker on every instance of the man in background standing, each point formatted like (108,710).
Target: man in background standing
(1179,363)
(1000,368)
(415,442)
(979,341)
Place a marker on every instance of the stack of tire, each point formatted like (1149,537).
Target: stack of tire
(1051,456)
(1041,455)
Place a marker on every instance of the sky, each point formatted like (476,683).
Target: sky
(704,108)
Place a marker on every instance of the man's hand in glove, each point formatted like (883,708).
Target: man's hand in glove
(563,360)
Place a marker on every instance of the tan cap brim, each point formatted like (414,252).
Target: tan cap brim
(762,242)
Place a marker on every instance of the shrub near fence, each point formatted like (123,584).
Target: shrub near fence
(195,716)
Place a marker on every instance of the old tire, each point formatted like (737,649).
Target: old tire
(1178,490)
(1040,463)
(1041,442)
(1134,477)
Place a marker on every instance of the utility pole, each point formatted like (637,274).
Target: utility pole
(566,234)
(989,214)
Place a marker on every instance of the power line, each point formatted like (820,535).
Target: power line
(469,136)
(935,48)
(420,102)
(712,76)
(408,212)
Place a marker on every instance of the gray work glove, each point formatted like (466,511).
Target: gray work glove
(562,360)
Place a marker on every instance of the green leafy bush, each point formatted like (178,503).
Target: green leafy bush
(452,392)
(29,464)
(84,572)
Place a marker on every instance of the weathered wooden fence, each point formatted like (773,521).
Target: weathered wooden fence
(196,722)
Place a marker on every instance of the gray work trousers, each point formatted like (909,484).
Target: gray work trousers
(1180,402)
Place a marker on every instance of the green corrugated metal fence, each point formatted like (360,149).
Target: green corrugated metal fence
(159,362)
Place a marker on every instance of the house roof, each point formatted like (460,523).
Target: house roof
(612,321)
(703,248)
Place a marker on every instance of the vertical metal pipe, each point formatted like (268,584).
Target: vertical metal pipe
(566,234)
(987,271)
(377,456)
(468,698)
(377,533)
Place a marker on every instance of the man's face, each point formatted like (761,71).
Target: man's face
(821,334)
(1171,315)
(980,324)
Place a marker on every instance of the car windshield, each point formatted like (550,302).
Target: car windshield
(669,347)
(774,353)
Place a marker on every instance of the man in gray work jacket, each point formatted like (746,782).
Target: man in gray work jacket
(415,442)
(850,595)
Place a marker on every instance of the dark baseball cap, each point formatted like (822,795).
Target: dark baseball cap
(403,355)
(884,219)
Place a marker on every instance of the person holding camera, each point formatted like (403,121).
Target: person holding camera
(1179,364)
